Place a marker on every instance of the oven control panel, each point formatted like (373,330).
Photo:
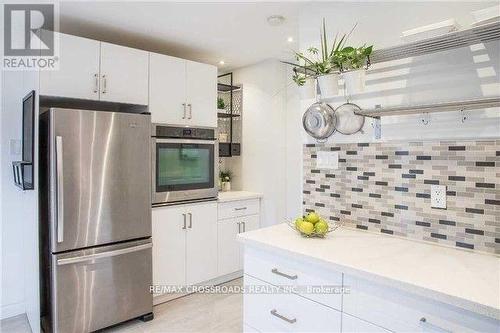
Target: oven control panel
(161,131)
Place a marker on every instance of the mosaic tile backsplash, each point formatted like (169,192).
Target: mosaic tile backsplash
(385,187)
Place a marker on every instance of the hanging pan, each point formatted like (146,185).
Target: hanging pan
(348,121)
(319,121)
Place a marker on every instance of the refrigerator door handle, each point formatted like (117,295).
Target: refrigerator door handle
(74,260)
(60,189)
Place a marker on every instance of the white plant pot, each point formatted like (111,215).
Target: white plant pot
(308,90)
(328,85)
(354,81)
(226,186)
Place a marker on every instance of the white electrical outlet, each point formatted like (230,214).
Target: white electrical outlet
(327,160)
(438,196)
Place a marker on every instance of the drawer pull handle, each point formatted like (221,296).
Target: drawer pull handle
(276,314)
(291,277)
(433,327)
(241,208)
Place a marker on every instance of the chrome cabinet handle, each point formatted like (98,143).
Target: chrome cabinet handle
(241,208)
(104,84)
(108,254)
(291,277)
(244,226)
(239,227)
(275,313)
(96,83)
(184,224)
(60,189)
(184,112)
(435,328)
(190,111)
(190,221)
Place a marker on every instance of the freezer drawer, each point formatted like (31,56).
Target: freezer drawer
(96,288)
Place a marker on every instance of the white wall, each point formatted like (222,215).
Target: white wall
(264,165)
(18,210)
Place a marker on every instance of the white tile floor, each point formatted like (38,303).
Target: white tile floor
(221,313)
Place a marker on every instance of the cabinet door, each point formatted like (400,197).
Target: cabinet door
(201,249)
(228,249)
(77,75)
(249,223)
(201,90)
(169,246)
(354,325)
(124,74)
(167,89)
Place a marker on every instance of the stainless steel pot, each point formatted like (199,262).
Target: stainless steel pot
(319,121)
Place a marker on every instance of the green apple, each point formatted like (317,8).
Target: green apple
(312,217)
(321,227)
(306,228)
(298,221)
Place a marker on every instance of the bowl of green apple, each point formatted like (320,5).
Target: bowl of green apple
(313,225)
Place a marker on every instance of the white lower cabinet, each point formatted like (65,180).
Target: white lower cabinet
(401,311)
(351,324)
(365,306)
(235,217)
(230,253)
(269,310)
(169,246)
(184,244)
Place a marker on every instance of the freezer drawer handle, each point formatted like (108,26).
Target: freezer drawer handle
(275,313)
(108,254)
(291,277)
(60,189)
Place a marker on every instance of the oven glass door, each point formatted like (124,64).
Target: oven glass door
(184,166)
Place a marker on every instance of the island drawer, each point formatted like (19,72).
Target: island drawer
(268,310)
(400,311)
(306,279)
(238,208)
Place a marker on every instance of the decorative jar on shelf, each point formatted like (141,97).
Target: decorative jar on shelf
(226,186)
(354,81)
(328,85)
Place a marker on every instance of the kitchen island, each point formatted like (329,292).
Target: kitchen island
(386,283)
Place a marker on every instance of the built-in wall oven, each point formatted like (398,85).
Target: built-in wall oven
(184,164)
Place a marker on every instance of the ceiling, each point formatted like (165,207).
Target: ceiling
(237,33)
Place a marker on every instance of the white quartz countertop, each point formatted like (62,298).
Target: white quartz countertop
(238,195)
(464,279)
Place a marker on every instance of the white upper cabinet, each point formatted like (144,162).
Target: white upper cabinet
(89,69)
(201,85)
(77,75)
(124,74)
(167,89)
(182,92)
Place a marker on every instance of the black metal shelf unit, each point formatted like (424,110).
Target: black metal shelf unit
(231,147)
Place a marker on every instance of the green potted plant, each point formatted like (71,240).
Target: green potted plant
(221,105)
(225,180)
(322,62)
(353,61)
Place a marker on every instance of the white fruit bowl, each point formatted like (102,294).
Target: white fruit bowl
(331,227)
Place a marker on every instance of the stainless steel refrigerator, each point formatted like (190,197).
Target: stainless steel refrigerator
(95,219)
